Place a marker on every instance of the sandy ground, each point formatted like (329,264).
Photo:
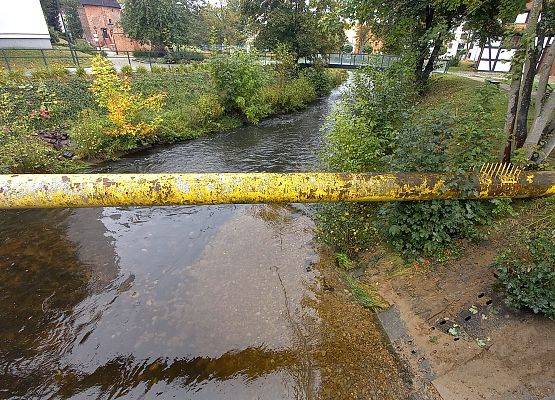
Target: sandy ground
(457,335)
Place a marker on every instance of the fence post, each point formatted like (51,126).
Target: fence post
(149,61)
(76,55)
(128,58)
(43,58)
(6,60)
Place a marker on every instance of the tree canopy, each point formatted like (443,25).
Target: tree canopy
(221,24)
(308,28)
(419,28)
(51,10)
(162,23)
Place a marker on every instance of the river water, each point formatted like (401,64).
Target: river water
(211,302)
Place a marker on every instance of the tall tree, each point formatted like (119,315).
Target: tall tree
(307,28)
(533,47)
(420,28)
(222,23)
(51,11)
(161,23)
(71,17)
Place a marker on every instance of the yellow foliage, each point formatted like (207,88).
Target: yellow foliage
(131,114)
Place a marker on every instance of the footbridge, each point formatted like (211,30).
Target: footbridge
(361,60)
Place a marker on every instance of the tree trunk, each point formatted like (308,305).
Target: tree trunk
(525,93)
(516,69)
(431,61)
(540,125)
(548,148)
(423,50)
(543,73)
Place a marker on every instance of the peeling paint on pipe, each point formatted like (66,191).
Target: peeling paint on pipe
(99,190)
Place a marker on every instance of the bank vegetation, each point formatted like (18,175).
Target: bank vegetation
(54,121)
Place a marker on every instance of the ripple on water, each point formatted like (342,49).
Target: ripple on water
(207,302)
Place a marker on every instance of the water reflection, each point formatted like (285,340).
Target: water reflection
(122,375)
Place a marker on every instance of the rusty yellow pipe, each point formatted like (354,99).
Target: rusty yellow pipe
(96,190)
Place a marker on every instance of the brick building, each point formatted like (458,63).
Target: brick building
(101,25)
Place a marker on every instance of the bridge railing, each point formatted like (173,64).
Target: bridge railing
(353,60)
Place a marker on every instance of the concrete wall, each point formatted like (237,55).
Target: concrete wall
(22,25)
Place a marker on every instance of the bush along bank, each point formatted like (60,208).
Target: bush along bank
(383,124)
(54,121)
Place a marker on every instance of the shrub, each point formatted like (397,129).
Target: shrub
(290,96)
(157,69)
(320,80)
(141,70)
(374,129)
(90,137)
(430,144)
(183,56)
(239,78)
(286,63)
(126,70)
(529,279)
(25,153)
(54,71)
(191,121)
(347,48)
(82,46)
(362,130)
(145,54)
(131,114)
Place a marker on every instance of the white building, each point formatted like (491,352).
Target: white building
(494,56)
(22,25)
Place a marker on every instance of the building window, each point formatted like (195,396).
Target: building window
(105,33)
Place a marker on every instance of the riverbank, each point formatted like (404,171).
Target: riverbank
(446,312)
(53,121)
(449,320)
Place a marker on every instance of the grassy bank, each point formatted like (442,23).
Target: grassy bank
(456,125)
(53,121)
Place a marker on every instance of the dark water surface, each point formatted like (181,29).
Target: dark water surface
(185,302)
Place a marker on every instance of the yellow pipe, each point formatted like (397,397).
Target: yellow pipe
(96,190)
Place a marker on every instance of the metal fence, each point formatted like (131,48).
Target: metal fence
(67,57)
(70,57)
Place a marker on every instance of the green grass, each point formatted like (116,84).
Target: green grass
(33,59)
(365,295)
(456,93)
(464,66)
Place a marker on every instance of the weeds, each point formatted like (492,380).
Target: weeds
(365,295)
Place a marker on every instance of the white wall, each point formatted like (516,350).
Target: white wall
(22,25)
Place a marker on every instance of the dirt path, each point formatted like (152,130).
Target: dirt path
(456,333)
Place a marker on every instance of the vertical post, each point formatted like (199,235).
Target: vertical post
(128,58)
(76,55)
(341,58)
(43,57)
(149,61)
(6,60)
